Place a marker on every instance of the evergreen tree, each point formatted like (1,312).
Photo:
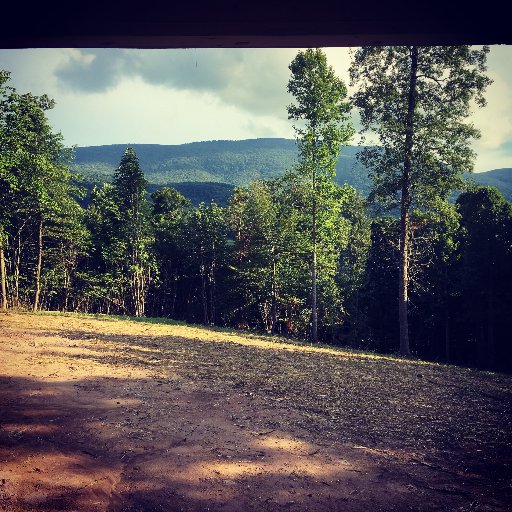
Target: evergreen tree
(129,186)
(104,273)
(168,219)
(485,276)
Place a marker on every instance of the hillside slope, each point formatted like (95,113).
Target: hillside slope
(231,163)
(499,178)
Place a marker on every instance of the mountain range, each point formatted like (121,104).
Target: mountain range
(205,171)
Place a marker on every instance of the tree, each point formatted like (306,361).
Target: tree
(129,185)
(351,275)
(485,274)
(255,218)
(205,239)
(104,272)
(416,99)
(4,77)
(35,182)
(321,113)
(168,219)
(67,244)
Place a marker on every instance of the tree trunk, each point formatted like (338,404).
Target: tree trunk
(3,273)
(174,292)
(273,307)
(17,265)
(203,293)
(69,257)
(403,288)
(211,283)
(314,311)
(403,291)
(490,349)
(447,337)
(139,293)
(39,266)
(135,293)
(15,293)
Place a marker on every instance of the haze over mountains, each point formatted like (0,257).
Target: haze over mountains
(205,171)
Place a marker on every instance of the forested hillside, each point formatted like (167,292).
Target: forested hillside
(197,169)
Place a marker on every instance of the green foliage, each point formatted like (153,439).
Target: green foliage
(255,218)
(417,100)
(449,81)
(485,274)
(268,162)
(41,220)
(323,125)
(205,239)
(271,256)
(231,162)
(121,264)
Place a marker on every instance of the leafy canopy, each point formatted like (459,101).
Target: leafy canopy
(449,82)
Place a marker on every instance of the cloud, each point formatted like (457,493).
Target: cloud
(93,70)
(495,120)
(494,148)
(252,79)
(138,112)
(31,69)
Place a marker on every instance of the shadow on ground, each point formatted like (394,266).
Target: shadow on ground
(175,423)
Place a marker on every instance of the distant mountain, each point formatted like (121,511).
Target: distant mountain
(499,178)
(231,162)
(203,171)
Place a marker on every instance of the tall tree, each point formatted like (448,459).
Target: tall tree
(169,215)
(35,181)
(206,244)
(4,77)
(67,244)
(417,99)
(486,274)
(130,186)
(322,126)
(105,270)
(255,218)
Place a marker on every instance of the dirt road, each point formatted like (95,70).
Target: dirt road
(105,415)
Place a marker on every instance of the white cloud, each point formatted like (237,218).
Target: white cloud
(137,112)
(495,119)
(252,79)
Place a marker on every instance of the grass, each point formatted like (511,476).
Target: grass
(292,342)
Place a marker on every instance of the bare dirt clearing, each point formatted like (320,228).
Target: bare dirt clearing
(106,415)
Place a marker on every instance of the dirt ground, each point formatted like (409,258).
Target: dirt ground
(109,415)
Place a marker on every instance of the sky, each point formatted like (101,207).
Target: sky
(174,96)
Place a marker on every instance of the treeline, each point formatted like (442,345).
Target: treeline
(253,263)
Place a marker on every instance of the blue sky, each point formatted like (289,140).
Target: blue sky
(174,96)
